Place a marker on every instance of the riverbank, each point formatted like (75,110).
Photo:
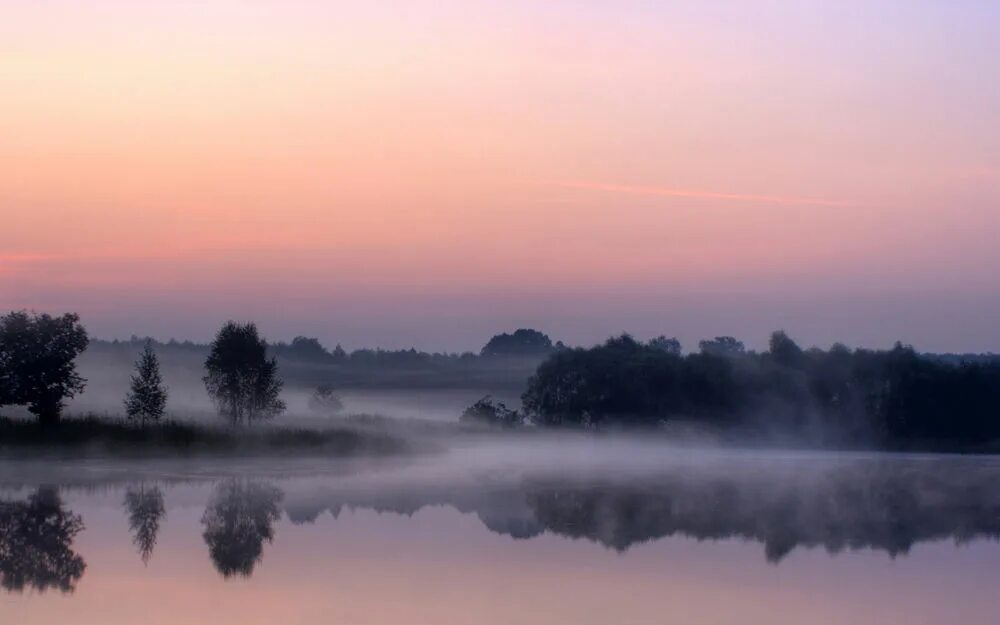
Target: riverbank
(172,437)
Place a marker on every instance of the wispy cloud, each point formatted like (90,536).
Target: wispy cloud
(702,194)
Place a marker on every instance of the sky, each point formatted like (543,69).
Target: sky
(429,173)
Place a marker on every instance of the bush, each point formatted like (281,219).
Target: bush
(491,412)
(324,401)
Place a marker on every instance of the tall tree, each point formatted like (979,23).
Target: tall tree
(238,521)
(145,511)
(240,378)
(37,361)
(147,399)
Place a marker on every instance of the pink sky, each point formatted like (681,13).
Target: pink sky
(430,173)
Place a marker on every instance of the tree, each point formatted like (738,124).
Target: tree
(670,345)
(325,401)
(722,346)
(147,399)
(784,350)
(241,379)
(491,412)
(238,520)
(303,348)
(36,543)
(37,361)
(523,342)
(145,511)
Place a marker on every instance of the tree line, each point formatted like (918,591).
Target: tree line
(882,505)
(892,397)
(38,369)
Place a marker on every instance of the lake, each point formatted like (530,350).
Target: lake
(547,532)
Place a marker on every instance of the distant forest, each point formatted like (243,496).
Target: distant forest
(896,398)
(511,356)
(504,362)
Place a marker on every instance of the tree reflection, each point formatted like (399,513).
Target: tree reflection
(36,538)
(883,506)
(864,507)
(145,511)
(237,521)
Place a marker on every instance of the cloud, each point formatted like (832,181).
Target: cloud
(700,194)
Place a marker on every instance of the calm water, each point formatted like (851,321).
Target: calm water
(618,533)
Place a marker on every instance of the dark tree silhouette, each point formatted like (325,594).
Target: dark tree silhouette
(36,538)
(238,520)
(37,361)
(722,346)
(145,511)
(147,398)
(490,412)
(894,398)
(523,342)
(784,350)
(304,349)
(325,401)
(670,345)
(241,379)
(885,503)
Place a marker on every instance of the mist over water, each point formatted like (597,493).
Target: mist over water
(572,524)
(449,521)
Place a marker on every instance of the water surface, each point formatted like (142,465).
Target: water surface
(574,533)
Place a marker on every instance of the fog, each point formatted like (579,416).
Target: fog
(108,384)
(618,491)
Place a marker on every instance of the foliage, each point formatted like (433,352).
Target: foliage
(894,397)
(325,401)
(523,342)
(241,379)
(722,346)
(37,361)
(145,511)
(305,349)
(147,399)
(491,412)
(669,345)
(36,538)
(360,368)
(238,520)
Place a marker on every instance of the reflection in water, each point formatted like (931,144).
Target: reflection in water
(237,521)
(36,537)
(145,511)
(887,507)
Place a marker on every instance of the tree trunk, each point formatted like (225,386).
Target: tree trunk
(49,416)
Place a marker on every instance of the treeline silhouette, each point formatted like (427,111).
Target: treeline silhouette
(504,362)
(837,505)
(893,397)
(887,506)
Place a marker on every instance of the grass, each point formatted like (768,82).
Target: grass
(118,435)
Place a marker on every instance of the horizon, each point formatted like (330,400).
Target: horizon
(686,348)
(421,176)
